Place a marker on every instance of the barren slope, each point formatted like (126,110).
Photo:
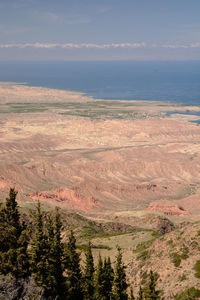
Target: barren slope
(97,156)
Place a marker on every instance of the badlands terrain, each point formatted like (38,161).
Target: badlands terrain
(124,172)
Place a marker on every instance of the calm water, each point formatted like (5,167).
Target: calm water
(170,81)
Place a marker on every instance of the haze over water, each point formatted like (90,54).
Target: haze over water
(171,81)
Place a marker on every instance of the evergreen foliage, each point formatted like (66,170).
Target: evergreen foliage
(89,275)
(55,278)
(11,212)
(58,250)
(56,269)
(119,284)
(14,240)
(150,292)
(99,280)
(23,264)
(47,255)
(74,275)
(39,252)
(108,275)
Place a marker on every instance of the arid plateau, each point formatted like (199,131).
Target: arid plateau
(123,166)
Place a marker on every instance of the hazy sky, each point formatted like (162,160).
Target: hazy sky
(99,29)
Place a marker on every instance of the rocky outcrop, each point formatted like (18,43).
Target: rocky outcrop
(70,198)
(163,225)
(167,208)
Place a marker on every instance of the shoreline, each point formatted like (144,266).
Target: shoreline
(76,92)
(20,94)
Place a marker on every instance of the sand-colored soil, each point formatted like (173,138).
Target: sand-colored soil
(26,94)
(102,155)
(122,163)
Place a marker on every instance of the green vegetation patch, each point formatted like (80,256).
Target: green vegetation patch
(190,294)
(22,108)
(144,246)
(91,231)
(176,259)
(144,255)
(197,269)
(155,234)
(185,252)
(138,240)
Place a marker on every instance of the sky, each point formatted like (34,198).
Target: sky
(99,30)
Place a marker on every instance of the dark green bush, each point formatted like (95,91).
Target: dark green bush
(176,259)
(197,269)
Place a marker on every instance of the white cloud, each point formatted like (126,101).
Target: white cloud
(69,46)
(183,46)
(74,46)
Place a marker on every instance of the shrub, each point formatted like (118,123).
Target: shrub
(155,234)
(197,269)
(143,255)
(176,259)
(185,252)
(191,293)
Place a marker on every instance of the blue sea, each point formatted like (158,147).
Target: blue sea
(169,81)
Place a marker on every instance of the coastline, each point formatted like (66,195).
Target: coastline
(117,80)
(11,93)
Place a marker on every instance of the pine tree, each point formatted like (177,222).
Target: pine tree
(58,251)
(39,251)
(89,275)
(13,239)
(49,230)
(74,275)
(47,256)
(150,292)
(50,281)
(23,264)
(9,222)
(11,212)
(99,280)
(119,283)
(108,275)
(55,281)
